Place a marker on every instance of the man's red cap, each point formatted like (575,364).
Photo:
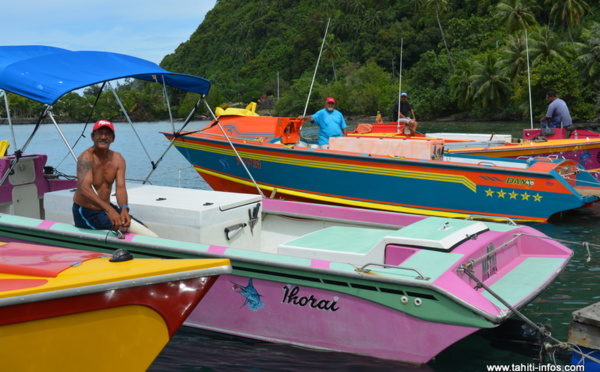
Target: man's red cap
(103,123)
(330,100)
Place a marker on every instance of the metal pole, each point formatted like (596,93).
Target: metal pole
(316,67)
(12,129)
(399,85)
(529,80)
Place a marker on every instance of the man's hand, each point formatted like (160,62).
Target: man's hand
(126,218)
(115,218)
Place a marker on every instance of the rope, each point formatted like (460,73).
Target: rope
(87,121)
(544,333)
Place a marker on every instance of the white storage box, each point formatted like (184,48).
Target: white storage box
(198,216)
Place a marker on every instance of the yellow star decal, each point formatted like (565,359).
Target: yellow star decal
(525,196)
(489,192)
(537,198)
(513,195)
(501,194)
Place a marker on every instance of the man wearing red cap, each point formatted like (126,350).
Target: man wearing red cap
(330,121)
(97,169)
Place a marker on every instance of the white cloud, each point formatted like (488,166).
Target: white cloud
(147,29)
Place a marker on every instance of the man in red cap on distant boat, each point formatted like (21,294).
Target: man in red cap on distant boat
(330,121)
(97,169)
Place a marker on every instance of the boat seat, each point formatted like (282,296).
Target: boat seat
(353,245)
(359,246)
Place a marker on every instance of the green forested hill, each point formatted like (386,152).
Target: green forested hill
(243,44)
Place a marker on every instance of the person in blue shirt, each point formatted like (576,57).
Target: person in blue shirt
(558,115)
(330,121)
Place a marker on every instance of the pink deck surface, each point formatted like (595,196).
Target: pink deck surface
(352,214)
(39,260)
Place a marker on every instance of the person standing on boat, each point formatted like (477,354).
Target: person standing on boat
(330,121)
(558,115)
(97,169)
(406,114)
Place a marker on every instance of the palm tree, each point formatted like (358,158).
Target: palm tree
(545,46)
(517,14)
(373,18)
(461,83)
(568,12)
(491,86)
(332,51)
(356,7)
(589,59)
(438,6)
(343,25)
(515,60)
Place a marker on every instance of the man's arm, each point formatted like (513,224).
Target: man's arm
(549,112)
(306,118)
(343,124)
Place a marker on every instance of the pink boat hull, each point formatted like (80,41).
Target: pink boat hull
(335,321)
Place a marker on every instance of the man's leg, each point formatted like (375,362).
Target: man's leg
(90,219)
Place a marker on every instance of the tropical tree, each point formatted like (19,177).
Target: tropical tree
(461,83)
(437,6)
(332,51)
(491,86)
(515,55)
(561,77)
(373,18)
(568,12)
(516,14)
(588,61)
(375,92)
(545,46)
(427,85)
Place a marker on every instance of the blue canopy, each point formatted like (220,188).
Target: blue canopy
(45,74)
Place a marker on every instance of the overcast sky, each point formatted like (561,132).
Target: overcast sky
(148,29)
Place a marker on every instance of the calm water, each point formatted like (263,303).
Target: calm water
(190,349)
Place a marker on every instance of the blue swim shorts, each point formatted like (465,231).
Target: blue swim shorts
(92,219)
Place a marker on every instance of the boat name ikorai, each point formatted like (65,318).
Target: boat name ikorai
(290,296)
(520,181)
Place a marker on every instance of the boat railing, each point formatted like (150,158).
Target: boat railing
(548,157)
(364,269)
(477,160)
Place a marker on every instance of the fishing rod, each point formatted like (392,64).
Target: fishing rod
(399,85)
(237,154)
(316,67)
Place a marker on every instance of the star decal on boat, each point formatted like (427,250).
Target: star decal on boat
(525,196)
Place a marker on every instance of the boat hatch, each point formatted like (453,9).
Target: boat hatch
(353,245)
(436,233)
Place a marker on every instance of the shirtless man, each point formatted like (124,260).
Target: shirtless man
(97,169)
